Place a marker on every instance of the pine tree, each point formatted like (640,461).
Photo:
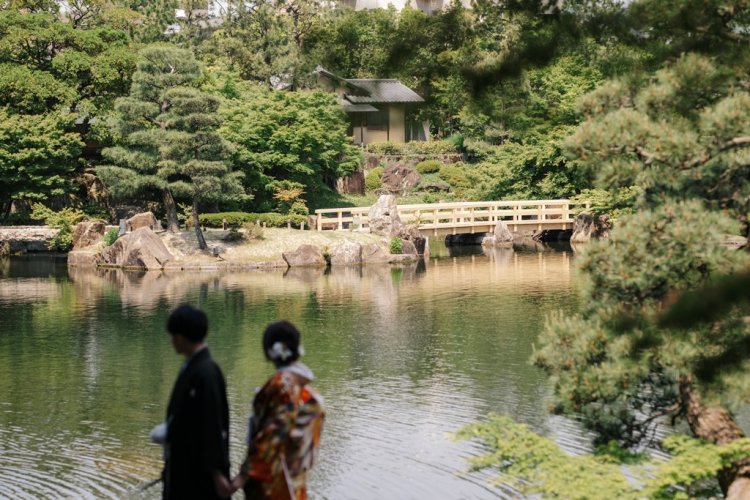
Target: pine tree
(681,136)
(169,144)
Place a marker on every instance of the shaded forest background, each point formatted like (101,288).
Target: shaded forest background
(503,83)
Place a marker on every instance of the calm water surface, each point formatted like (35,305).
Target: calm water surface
(403,356)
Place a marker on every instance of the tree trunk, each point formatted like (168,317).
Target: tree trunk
(198,233)
(173,224)
(716,425)
(7,207)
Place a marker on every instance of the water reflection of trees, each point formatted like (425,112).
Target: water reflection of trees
(452,327)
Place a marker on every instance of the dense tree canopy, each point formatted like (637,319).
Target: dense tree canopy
(297,138)
(169,141)
(51,75)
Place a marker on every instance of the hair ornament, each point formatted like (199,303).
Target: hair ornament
(279,351)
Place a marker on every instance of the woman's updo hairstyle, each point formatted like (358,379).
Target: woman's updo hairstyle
(281,343)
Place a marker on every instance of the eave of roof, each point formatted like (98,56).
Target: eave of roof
(359,108)
(382,90)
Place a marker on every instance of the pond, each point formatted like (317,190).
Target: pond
(403,357)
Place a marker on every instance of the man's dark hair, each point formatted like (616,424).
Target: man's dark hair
(287,334)
(189,322)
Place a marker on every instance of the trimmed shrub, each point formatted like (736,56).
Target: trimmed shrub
(397,246)
(455,176)
(238,219)
(373,179)
(233,235)
(413,148)
(428,166)
(383,148)
(299,208)
(110,236)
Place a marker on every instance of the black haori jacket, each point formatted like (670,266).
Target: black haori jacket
(197,430)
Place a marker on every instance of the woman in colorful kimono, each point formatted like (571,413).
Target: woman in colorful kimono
(285,425)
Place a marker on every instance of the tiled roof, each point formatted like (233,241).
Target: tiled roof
(358,108)
(381,91)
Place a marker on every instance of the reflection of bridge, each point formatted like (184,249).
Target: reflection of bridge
(463,217)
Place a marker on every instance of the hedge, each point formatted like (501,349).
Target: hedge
(237,219)
(413,148)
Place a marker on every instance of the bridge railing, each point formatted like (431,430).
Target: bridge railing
(447,216)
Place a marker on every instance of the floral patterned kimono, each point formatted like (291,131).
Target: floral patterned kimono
(284,433)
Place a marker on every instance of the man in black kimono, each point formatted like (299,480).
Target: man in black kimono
(197,438)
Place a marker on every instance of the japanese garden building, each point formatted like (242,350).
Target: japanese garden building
(379,110)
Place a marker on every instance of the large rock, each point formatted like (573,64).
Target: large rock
(141,249)
(400,178)
(305,256)
(407,232)
(410,233)
(351,184)
(145,219)
(374,254)
(88,232)
(501,237)
(587,227)
(383,216)
(23,239)
(84,258)
(347,253)
(408,248)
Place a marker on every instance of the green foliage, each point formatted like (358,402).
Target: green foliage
(237,219)
(537,169)
(612,364)
(692,471)
(299,208)
(94,211)
(64,220)
(233,235)
(110,236)
(297,137)
(455,175)
(615,203)
(373,178)
(412,148)
(677,136)
(536,466)
(396,245)
(169,139)
(250,231)
(288,194)
(47,64)
(37,156)
(428,166)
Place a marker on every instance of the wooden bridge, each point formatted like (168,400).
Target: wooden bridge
(463,217)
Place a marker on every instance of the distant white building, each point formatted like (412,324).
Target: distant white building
(428,6)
